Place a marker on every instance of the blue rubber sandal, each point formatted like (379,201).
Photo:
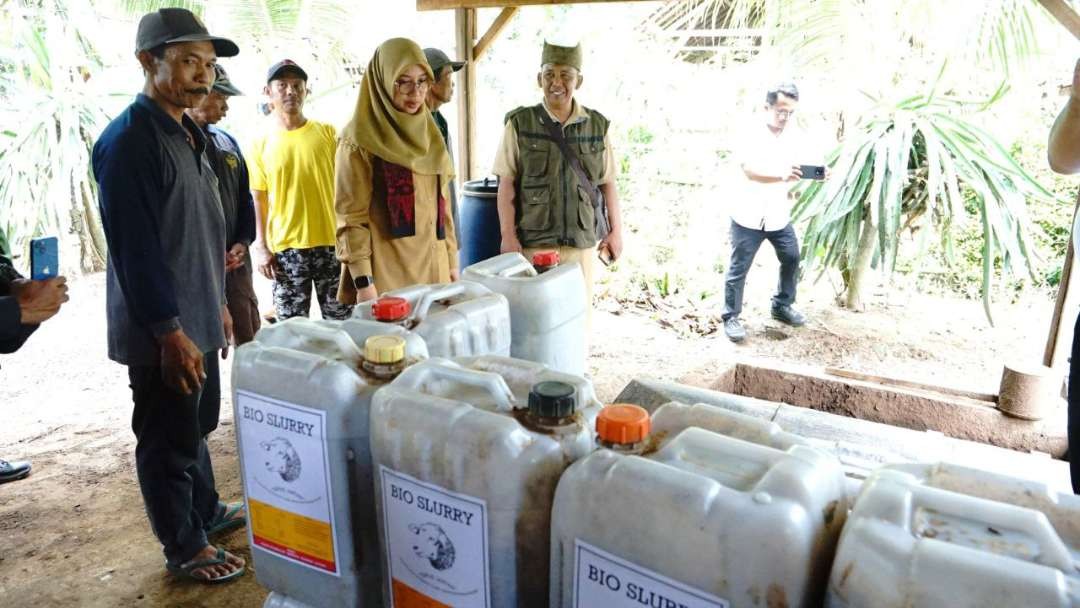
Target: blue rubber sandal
(188,570)
(227,519)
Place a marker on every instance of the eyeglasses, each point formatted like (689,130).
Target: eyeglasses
(409,86)
(784,113)
(566,76)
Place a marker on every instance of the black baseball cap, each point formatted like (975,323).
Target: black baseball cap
(438,59)
(222,84)
(171,25)
(285,65)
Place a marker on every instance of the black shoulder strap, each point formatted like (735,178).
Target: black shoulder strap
(555,130)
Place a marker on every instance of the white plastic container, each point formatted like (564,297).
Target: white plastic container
(547,311)
(301,400)
(671,418)
(910,545)
(458,319)
(706,520)
(466,479)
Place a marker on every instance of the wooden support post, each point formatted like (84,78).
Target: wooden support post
(465,25)
(493,32)
(1055,353)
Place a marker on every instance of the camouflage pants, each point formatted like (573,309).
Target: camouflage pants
(298,270)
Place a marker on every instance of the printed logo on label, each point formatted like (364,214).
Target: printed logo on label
(436,544)
(603,579)
(286,476)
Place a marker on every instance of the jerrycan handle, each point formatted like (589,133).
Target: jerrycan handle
(1000,515)
(519,267)
(309,330)
(441,293)
(503,265)
(436,369)
(489,382)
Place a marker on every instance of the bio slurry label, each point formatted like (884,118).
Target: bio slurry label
(436,544)
(287,477)
(603,579)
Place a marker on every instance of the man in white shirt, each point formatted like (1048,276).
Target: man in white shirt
(769,157)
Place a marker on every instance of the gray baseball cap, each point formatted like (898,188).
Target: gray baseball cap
(285,66)
(438,59)
(222,84)
(171,25)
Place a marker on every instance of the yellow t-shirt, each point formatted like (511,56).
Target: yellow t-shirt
(296,170)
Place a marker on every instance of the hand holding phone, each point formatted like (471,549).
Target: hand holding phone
(39,301)
(812,171)
(605,255)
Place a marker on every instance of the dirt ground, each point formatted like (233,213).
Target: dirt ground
(74,532)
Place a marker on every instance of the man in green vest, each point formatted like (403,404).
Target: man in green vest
(544,200)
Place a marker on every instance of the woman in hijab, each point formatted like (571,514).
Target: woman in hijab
(393,176)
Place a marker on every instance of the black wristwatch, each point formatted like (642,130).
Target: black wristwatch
(363,282)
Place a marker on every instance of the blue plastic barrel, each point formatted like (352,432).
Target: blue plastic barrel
(479,216)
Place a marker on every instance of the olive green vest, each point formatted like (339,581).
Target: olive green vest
(552,206)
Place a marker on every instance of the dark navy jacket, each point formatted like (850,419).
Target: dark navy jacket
(164,224)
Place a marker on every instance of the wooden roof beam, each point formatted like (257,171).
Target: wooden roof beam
(493,32)
(1064,13)
(441,5)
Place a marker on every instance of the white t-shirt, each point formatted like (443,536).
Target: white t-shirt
(767,206)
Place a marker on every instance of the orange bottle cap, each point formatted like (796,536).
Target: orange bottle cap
(390,309)
(545,258)
(623,423)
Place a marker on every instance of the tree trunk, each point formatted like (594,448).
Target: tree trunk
(859,270)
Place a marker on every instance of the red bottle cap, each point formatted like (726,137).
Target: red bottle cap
(545,258)
(390,309)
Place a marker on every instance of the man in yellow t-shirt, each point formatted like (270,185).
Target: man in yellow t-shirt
(292,182)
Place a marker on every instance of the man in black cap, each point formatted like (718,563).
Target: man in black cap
(165,292)
(225,157)
(292,182)
(441,92)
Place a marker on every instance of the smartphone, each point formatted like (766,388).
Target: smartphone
(812,171)
(44,258)
(605,256)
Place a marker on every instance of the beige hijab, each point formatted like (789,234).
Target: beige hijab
(408,140)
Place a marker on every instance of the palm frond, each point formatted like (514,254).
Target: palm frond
(916,158)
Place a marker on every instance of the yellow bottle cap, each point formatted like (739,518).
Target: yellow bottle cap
(384,349)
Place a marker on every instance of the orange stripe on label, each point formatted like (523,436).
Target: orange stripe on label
(407,597)
(295,536)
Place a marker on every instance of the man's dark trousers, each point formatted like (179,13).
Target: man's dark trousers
(745,243)
(1074,409)
(171,457)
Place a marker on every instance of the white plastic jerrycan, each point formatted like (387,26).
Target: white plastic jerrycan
(673,417)
(547,310)
(912,545)
(468,454)
(301,395)
(694,519)
(458,319)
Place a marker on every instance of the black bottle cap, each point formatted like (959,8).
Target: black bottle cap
(551,399)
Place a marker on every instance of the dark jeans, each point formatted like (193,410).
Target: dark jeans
(745,243)
(171,457)
(1074,409)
